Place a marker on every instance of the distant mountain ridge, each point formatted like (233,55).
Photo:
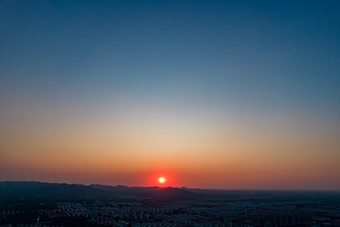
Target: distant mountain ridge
(152,192)
(35,189)
(42,191)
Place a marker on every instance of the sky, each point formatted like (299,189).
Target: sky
(207,94)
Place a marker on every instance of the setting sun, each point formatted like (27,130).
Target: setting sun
(161,180)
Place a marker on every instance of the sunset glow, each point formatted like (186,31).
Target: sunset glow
(161,180)
(202,94)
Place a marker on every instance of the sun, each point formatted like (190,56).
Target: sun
(161,180)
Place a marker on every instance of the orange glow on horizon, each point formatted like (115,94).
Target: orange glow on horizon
(162,178)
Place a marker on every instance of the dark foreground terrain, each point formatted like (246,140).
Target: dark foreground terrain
(46,204)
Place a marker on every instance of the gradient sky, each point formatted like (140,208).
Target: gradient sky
(210,94)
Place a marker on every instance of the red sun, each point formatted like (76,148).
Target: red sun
(161,180)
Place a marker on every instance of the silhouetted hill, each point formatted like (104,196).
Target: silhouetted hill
(168,193)
(40,191)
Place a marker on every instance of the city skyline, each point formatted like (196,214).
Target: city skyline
(207,94)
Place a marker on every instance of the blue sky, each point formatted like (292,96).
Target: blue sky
(285,52)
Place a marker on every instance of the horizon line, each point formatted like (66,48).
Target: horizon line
(183,187)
